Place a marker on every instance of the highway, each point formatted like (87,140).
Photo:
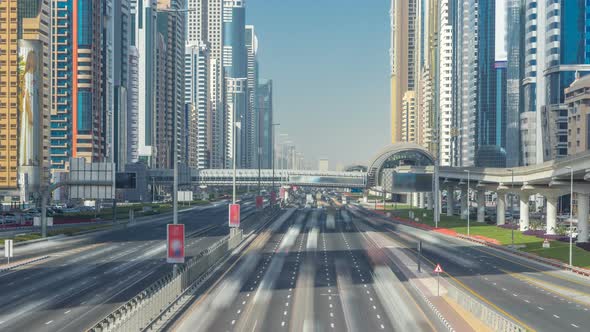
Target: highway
(537,296)
(308,273)
(87,277)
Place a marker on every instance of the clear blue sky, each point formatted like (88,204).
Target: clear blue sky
(329,64)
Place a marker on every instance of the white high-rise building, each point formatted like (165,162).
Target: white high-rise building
(204,26)
(445,75)
(196,94)
(132,107)
(145,31)
(466,66)
(252,134)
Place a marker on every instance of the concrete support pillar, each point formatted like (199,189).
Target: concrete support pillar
(450,200)
(551,214)
(464,203)
(500,208)
(481,205)
(582,217)
(524,212)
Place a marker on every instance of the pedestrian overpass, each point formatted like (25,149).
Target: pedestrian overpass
(266,177)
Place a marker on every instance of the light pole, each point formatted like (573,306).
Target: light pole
(468,201)
(512,205)
(571,213)
(273,156)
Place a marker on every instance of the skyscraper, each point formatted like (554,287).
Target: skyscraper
(204,25)
(475,82)
(265,116)
(555,51)
(514,76)
(445,84)
(488,153)
(402,59)
(252,121)
(171,110)
(144,19)
(235,73)
(24,98)
(197,96)
(78,118)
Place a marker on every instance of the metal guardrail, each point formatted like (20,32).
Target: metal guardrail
(487,315)
(139,312)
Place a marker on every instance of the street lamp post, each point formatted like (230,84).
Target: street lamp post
(468,201)
(273,156)
(512,205)
(571,213)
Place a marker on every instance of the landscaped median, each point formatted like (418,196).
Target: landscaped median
(493,234)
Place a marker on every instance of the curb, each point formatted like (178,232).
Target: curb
(21,263)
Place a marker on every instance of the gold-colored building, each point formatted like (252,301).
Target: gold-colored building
(8,95)
(402,59)
(24,97)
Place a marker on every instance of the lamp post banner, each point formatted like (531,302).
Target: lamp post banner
(234,215)
(175,243)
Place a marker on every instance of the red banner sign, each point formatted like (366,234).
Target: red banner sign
(234,215)
(175,243)
(273,197)
(259,202)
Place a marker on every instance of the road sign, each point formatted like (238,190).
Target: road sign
(8,249)
(438,270)
(175,243)
(259,202)
(234,215)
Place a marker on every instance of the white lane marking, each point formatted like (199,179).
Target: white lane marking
(332,325)
(555,316)
(239,311)
(540,308)
(574,325)
(282,323)
(527,301)
(382,326)
(49,322)
(67,312)
(233,322)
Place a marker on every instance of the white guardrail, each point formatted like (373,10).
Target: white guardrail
(139,312)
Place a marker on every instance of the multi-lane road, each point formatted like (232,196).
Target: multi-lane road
(86,277)
(308,274)
(536,296)
(308,270)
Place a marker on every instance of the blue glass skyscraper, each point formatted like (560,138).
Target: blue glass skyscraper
(487,152)
(235,72)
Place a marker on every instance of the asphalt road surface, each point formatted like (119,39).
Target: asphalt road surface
(87,277)
(538,296)
(306,273)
